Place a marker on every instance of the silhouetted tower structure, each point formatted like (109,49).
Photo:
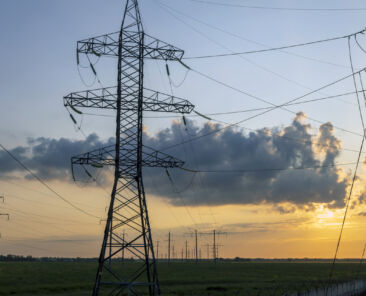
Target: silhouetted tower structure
(208,251)
(157,250)
(215,245)
(123,242)
(186,250)
(195,251)
(128,155)
(169,241)
(2,198)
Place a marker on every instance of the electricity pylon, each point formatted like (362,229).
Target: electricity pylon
(215,245)
(129,98)
(195,233)
(3,214)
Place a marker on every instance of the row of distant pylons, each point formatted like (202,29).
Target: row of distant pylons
(186,252)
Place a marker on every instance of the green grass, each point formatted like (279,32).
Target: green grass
(205,278)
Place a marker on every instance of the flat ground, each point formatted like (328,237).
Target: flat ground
(176,278)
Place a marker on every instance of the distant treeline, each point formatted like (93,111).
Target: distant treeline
(45,259)
(236,259)
(320,260)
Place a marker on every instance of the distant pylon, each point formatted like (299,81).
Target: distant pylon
(215,245)
(128,155)
(3,214)
(2,198)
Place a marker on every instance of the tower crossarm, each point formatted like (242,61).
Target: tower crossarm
(104,157)
(160,50)
(97,158)
(155,158)
(160,102)
(108,45)
(105,98)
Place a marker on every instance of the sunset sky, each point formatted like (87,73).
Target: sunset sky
(261,204)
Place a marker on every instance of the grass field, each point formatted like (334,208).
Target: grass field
(176,278)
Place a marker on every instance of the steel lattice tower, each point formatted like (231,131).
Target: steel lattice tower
(128,207)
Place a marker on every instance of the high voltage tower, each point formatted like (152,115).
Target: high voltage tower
(215,246)
(2,198)
(129,98)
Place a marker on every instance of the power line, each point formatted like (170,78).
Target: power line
(45,184)
(360,9)
(200,179)
(356,168)
(48,204)
(292,104)
(264,112)
(261,44)
(281,137)
(235,111)
(179,130)
(267,169)
(26,215)
(270,103)
(26,245)
(259,109)
(244,92)
(170,10)
(41,192)
(273,48)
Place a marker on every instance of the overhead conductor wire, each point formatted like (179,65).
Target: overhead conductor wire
(175,189)
(237,111)
(45,184)
(328,9)
(257,43)
(267,102)
(275,107)
(279,48)
(356,168)
(170,10)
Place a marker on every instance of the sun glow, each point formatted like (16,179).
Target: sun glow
(324,216)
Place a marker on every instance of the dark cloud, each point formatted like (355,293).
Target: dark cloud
(359,200)
(230,149)
(237,228)
(48,158)
(284,209)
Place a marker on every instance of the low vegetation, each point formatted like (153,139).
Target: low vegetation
(178,278)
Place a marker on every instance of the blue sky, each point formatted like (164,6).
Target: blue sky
(38,64)
(38,67)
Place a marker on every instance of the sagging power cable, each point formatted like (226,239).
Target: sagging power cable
(265,69)
(275,107)
(45,184)
(328,9)
(355,171)
(267,169)
(207,115)
(251,41)
(280,48)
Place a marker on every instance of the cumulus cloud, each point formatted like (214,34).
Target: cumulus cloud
(250,155)
(283,148)
(48,158)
